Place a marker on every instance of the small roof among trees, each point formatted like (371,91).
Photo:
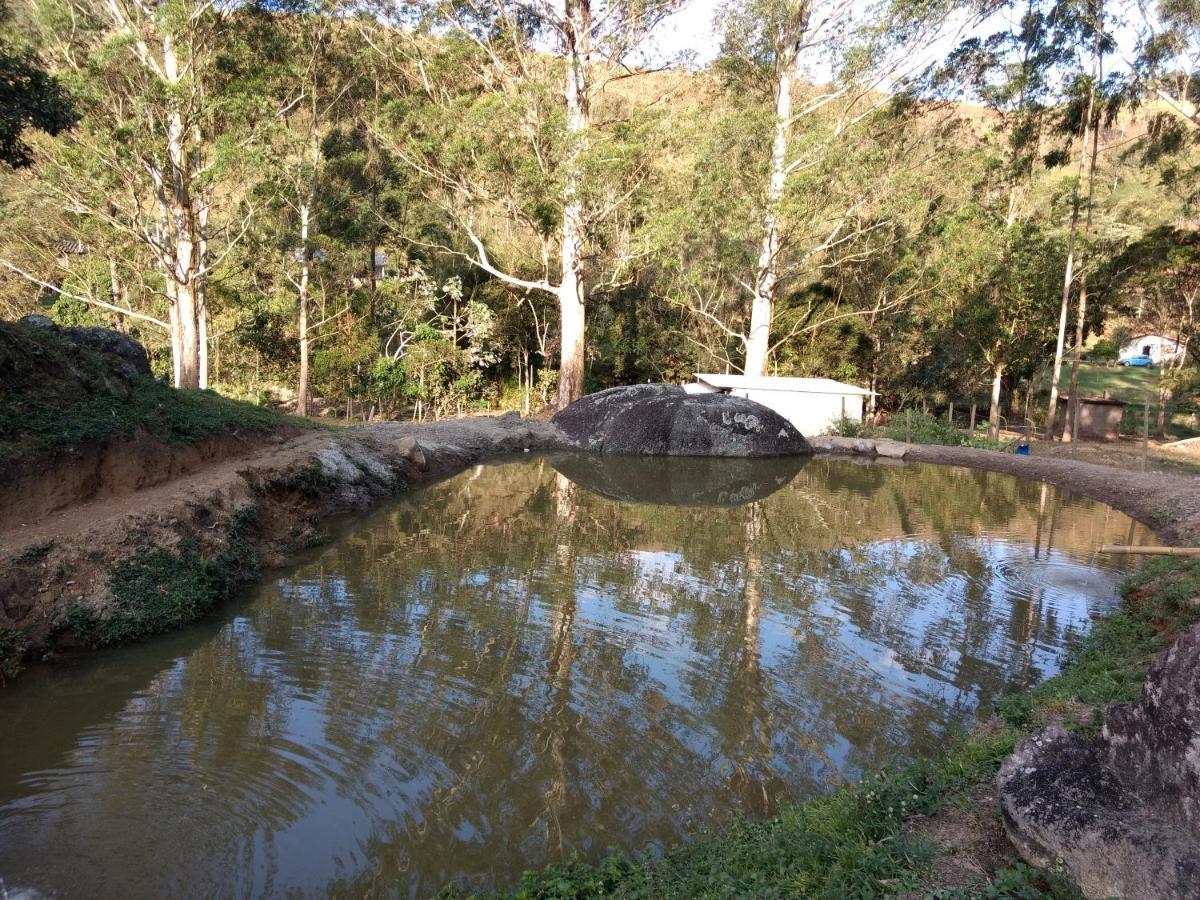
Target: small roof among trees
(770,383)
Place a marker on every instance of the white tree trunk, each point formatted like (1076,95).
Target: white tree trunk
(571,291)
(182,265)
(1072,425)
(305,268)
(766,277)
(994,410)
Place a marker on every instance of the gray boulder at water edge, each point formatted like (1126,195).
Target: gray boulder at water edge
(664,420)
(1120,810)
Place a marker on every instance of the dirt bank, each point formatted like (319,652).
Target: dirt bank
(139,538)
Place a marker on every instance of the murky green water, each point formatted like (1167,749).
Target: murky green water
(512,665)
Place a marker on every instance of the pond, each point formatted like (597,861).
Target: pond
(543,656)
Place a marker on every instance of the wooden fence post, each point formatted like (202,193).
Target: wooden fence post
(950,415)
(972,425)
(1145,435)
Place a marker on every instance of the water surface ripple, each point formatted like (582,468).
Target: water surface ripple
(545,656)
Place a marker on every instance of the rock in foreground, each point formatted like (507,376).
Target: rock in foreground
(664,420)
(1122,810)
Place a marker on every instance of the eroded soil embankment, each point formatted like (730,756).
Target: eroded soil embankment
(136,547)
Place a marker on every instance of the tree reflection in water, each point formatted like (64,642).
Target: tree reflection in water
(548,656)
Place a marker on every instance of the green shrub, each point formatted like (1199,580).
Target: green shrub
(925,429)
(1102,351)
(850,428)
(13,645)
(157,590)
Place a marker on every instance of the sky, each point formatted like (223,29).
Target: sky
(693,31)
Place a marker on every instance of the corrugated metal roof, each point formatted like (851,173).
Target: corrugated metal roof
(792,385)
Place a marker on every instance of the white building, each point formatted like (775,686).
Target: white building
(811,404)
(1161,350)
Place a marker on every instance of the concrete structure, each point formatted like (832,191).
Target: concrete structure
(1099,418)
(1162,350)
(811,404)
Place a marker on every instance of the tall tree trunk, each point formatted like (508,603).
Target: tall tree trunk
(302,328)
(766,275)
(571,291)
(183,265)
(1068,278)
(188,368)
(1093,123)
(994,410)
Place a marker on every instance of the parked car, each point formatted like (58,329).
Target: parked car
(1140,360)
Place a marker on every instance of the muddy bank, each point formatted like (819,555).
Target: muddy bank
(1169,503)
(88,560)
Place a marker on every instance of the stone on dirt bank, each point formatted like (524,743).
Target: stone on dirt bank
(131,354)
(1122,810)
(664,420)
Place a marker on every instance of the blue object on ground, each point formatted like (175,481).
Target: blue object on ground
(1140,360)
(1022,449)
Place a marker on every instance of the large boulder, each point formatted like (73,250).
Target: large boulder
(1120,810)
(664,420)
(122,346)
(128,355)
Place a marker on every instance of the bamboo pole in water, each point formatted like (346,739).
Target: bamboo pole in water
(1149,550)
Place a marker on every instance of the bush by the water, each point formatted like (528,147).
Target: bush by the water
(158,590)
(921,428)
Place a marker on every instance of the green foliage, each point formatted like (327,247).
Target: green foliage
(64,396)
(850,428)
(157,590)
(1103,350)
(12,652)
(925,429)
(917,428)
(32,553)
(1019,882)
(30,97)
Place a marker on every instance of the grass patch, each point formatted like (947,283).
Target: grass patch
(1136,385)
(158,590)
(853,842)
(32,553)
(59,395)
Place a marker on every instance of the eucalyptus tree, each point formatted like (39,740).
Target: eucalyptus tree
(1093,20)
(1015,71)
(303,61)
(154,142)
(817,91)
(506,134)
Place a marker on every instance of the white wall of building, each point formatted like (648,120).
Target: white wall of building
(813,405)
(1158,348)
